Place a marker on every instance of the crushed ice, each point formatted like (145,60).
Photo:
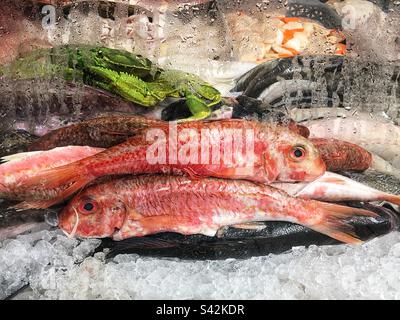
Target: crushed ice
(60,268)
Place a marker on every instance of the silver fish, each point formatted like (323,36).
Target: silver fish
(332,187)
(377,180)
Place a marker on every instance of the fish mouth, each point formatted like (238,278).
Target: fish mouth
(312,175)
(74,228)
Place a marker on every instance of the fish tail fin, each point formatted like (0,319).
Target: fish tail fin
(395,199)
(57,177)
(65,180)
(44,204)
(3,189)
(18,156)
(380,165)
(334,222)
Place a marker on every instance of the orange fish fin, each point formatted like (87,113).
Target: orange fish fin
(133,214)
(391,198)
(334,223)
(56,177)
(227,173)
(70,176)
(148,225)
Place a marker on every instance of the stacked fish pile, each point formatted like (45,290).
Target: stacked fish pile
(229,168)
(137,206)
(130,176)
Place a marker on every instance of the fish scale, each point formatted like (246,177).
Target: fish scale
(270,159)
(145,205)
(100,132)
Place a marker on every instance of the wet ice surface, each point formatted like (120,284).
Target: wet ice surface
(56,268)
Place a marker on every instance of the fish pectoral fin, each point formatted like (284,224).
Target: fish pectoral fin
(70,175)
(258,226)
(148,225)
(133,214)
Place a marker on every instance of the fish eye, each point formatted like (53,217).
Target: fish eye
(297,153)
(88,207)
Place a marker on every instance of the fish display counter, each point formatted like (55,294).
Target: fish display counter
(142,142)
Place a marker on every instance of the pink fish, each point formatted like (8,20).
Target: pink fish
(23,166)
(266,153)
(144,205)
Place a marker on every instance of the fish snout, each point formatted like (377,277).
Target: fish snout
(67,221)
(317,171)
(306,172)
